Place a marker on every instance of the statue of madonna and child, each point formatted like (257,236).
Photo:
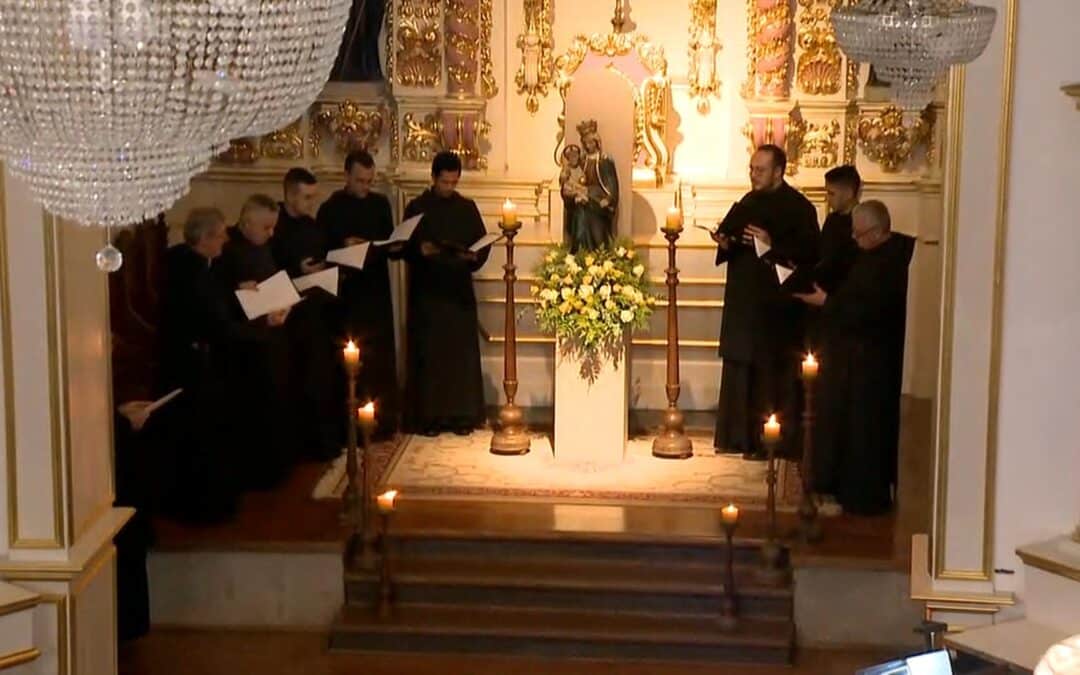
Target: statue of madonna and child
(590,191)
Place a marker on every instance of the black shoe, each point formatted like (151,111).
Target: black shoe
(430,433)
(755,456)
(463,431)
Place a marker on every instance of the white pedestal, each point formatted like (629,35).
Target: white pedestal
(591,417)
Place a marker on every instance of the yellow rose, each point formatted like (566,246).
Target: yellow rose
(589,260)
(587,280)
(627,316)
(610,304)
(638,270)
(567,293)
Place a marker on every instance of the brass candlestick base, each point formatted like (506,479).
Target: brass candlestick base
(771,571)
(729,605)
(386,588)
(350,500)
(808,531)
(510,437)
(672,443)
(366,558)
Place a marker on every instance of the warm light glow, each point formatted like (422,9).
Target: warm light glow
(810,366)
(509,213)
(772,429)
(352,354)
(730,514)
(674,218)
(367,413)
(386,501)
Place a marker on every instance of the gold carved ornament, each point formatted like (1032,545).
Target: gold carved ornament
(652,97)
(820,65)
(703,45)
(240,151)
(535,74)
(418,56)
(462,46)
(769,49)
(423,137)
(817,146)
(352,127)
(286,143)
(430,135)
(888,140)
(489,88)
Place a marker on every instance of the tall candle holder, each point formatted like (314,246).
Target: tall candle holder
(729,607)
(809,528)
(366,417)
(350,506)
(672,442)
(771,554)
(385,602)
(511,436)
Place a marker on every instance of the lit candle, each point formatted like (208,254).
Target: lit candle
(730,514)
(772,429)
(367,414)
(674,218)
(509,213)
(809,366)
(386,501)
(352,355)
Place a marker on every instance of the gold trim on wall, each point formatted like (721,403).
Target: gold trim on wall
(952,182)
(9,379)
(19,658)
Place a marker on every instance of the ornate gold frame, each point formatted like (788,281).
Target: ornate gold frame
(652,98)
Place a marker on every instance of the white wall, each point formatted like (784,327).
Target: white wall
(1038,472)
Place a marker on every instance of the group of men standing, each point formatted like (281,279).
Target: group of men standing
(840,293)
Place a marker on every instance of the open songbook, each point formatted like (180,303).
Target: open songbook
(276,293)
(163,400)
(326,279)
(402,232)
(350,256)
(485,241)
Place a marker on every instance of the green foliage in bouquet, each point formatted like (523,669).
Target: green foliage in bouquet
(590,299)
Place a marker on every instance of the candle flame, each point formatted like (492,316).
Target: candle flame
(731,508)
(810,360)
(389,495)
(369,408)
(508,204)
(772,419)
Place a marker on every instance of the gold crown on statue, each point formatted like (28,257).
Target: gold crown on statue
(587,127)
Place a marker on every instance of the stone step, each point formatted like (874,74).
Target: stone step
(627,586)
(562,633)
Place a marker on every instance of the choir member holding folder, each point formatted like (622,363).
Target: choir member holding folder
(353,218)
(443,388)
(259,371)
(761,328)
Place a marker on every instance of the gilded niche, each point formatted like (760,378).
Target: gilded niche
(535,74)
(418,57)
(820,65)
(890,140)
(352,126)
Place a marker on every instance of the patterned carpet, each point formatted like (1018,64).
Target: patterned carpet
(462,468)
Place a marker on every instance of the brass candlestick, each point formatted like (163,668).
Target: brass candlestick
(367,544)
(771,571)
(809,528)
(672,442)
(510,437)
(729,607)
(386,588)
(351,498)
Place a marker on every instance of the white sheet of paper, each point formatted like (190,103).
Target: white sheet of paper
(326,279)
(402,232)
(350,256)
(275,293)
(782,273)
(163,400)
(485,241)
(760,247)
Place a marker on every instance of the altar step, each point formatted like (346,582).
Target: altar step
(568,594)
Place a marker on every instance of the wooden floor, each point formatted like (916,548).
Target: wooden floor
(270,653)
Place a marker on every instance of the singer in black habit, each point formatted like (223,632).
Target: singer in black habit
(444,389)
(351,216)
(862,367)
(300,248)
(761,330)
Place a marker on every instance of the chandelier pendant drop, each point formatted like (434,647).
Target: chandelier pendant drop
(108,108)
(912,43)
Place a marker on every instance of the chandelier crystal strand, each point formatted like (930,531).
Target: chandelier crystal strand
(108,108)
(912,43)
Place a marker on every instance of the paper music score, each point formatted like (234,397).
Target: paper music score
(276,293)
(782,273)
(163,400)
(402,232)
(485,241)
(760,247)
(326,279)
(350,256)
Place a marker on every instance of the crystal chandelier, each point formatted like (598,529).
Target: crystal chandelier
(912,43)
(109,107)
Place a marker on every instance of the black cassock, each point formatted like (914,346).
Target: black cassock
(257,374)
(315,380)
(761,330)
(858,424)
(837,256)
(444,386)
(367,311)
(198,327)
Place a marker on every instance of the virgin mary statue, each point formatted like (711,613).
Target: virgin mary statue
(590,190)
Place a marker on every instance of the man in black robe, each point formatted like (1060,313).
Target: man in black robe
(761,332)
(862,367)
(842,185)
(351,216)
(300,248)
(258,377)
(198,327)
(444,389)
